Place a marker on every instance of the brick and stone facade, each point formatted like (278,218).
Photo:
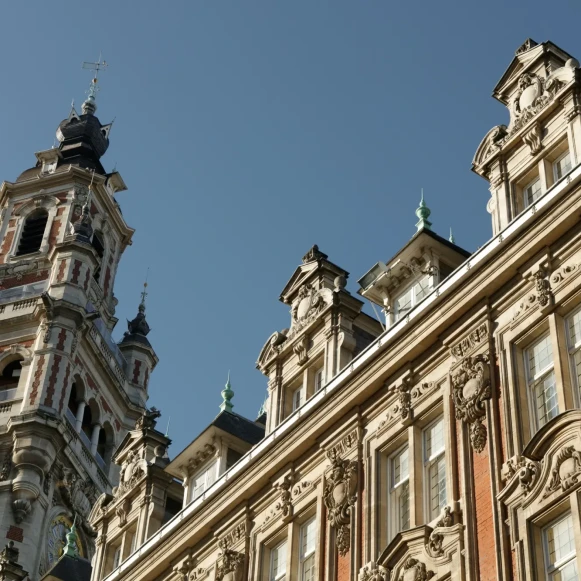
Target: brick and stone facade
(441,443)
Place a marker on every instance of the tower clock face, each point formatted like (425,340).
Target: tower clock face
(56,539)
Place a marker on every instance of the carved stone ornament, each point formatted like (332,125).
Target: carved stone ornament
(532,138)
(148,420)
(543,288)
(470,389)
(201,456)
(235,535)
(19,269)
(469,343)
(122,511)
(436,540)
(567,471)
(339,496)
(78,494)
(405,398)
(301,348)
(564,272)
(6,467)
(131,472)
(314,254)
(21,508)
(414,570)
(373,572)
(285,489)
(231,567)
(309,303)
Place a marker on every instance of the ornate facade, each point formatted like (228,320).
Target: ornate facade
(68,393)
(441,443)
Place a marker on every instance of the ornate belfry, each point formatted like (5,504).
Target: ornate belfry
(68,392)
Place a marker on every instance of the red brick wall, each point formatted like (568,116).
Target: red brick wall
(484,522)
(344,567)
(6,246)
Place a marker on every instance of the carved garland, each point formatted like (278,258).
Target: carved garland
(231,567)
(419,573)
(470,389)
(339,496)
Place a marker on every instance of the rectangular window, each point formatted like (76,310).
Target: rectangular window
(278,562)
(400,492)
(562,166)
(541,380)
(298,398)
(307,554)
(319,379)
(559,541)
(202,481)
(532,192)
(117,557)
(408,300)
(574,339)
(435,469)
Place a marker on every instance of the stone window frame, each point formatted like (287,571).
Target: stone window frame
(571,350)
(428,463)
(290,533)
(541,169)
(383,450)
(304,378)
(212,461)
(48,203)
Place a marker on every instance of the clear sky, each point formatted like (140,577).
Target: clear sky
(247,131)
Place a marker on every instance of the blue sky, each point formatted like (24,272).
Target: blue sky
(249,130)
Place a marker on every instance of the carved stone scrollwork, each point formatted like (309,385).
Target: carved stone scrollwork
(301,348)
(373,572)
(567,471)
(231,567)
(339,496)
(470,389)
(131,471)
(436,540)
(21,508)
(527,475)
(414,570)
(405,398)
(235,535)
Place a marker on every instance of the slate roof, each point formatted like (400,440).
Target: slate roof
(239,426)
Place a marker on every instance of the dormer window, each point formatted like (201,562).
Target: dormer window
(32,232)
(562,166)
(410,298)
(532,192)
(204,479)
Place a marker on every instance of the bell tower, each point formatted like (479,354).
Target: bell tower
(68,393)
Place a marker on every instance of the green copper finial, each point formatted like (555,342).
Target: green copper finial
(452,239)
(70,548)
(227,395)
(423,213)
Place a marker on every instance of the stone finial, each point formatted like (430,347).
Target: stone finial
(314,254)
(139,325)
(526,45)
(423,213)
(70,548)
(148,419)
(227,395)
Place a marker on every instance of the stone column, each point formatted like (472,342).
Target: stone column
(95,438)
(79,418)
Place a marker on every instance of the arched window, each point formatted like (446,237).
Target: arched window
(32,232)
(99,247)
(11,374)
(102,444)
(73,400)
(87,425)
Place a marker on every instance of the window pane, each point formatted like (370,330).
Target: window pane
(400,467)
(533,192)
(434,439)
(560,540)
(562,166)
(421,289)
(575,328)
(404,507)
(278,562)
(403,304)
(546,398)
(308,538)
(540,356)
(297,399)
(318,380)
(308,569)
(437,483)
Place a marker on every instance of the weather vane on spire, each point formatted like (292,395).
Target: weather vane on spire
(144,291)
(90,106)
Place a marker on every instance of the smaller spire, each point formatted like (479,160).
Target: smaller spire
(227,395)
(423,213)
(451,238)
(139,326)
(90,104)
(70,548)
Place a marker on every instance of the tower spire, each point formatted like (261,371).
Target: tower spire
(423,213)
(227,395)
(90,104)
